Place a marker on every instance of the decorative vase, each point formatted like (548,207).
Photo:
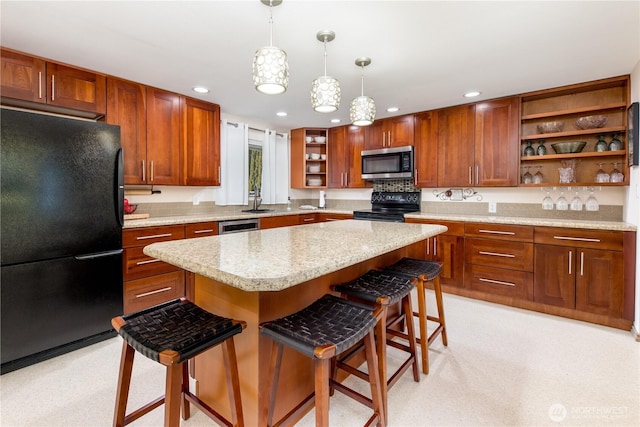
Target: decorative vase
(529,151)
(601,145)
(615,144)
(542,150)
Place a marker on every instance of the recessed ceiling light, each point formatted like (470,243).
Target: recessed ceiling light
(200,89)
(335,120)
(471,94)
(281,114)
(392,109)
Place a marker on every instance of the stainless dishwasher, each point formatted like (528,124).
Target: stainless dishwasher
(238,225)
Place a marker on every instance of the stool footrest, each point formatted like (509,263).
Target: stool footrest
(143,410)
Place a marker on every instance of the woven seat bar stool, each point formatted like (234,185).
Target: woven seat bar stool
(171,334)
(384,289)
(425,271)
(322,331)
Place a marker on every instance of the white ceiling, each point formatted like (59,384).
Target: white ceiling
(425,54)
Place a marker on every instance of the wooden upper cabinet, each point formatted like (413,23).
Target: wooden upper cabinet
(126,107)
(497,148)
(344,151)
(23,77)
(200,142)
(163,137)
(59,87)
(456,130)
(391,132)
(78,89)
(426,149)
(338,157)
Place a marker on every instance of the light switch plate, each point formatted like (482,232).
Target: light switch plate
(493,207)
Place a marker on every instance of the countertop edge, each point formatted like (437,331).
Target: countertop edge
(544,222)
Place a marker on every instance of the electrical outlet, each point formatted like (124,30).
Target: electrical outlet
(493,207)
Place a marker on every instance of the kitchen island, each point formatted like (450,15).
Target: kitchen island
(259,276)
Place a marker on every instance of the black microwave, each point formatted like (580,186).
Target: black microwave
(388,163)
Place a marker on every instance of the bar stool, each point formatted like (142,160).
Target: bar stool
(171,334)
(321,331)
(425,271)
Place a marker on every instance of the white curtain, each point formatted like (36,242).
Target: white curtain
(275,168)
(234,164)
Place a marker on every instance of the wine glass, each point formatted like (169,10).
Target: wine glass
(601,175)
(562,204)
(616,175)
(537,177)
(547,202)
(591,204)
(576,203)
(527,178)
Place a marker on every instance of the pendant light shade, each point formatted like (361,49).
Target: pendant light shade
(325,90)
(363,108)
(270,66)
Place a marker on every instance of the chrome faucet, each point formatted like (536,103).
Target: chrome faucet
(257,200)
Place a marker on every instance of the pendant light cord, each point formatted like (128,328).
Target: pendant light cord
(270,23)
(325,56)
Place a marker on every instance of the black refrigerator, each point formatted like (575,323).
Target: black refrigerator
(61,217)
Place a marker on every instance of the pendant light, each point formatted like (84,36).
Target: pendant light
(270,67)
(325,90)
(363,109)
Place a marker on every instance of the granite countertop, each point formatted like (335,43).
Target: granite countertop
(222,216)
(490,219)
(279,258)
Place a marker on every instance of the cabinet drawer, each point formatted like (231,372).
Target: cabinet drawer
(521,233)
(150,291)
(279,221)
(498,253)
(333,217)
(201,229)
(148,235)
(497,281)
(136,265)
(578,237)
(308,218)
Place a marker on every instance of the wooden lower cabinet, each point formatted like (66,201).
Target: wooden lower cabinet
(588,280)
(448,248)
(149,281)
(149,291)
(499,281)
(201,229)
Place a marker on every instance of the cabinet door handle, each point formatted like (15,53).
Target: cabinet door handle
(470,178)
(579,239)
(428,246)
(208,230)
(154,236)
(53,87)
(389,138)
(508,233)
(157,291)
(152,172)
(435,246)
(497,282)
(39,84)
(144,171)
(570,259)
(384,143)
(308,219)
(346,179)
(477,175)
(581,263)
(496,254)
(149,261)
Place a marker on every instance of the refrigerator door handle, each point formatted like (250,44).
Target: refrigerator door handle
(120,187)
(98,255)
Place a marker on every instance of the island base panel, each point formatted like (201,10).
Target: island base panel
(254,351)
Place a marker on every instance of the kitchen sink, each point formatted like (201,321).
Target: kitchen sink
(257,210)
